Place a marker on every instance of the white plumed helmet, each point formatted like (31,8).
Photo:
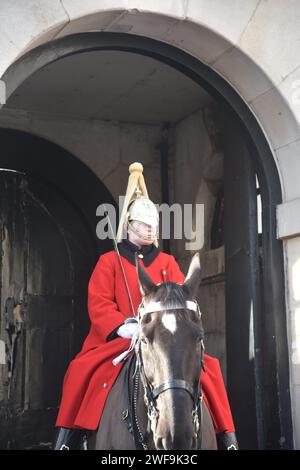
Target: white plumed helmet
(137,205)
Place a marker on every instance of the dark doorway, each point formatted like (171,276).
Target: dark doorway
(243,309)
(48,253)
(252,321)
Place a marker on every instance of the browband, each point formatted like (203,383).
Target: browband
(159,307)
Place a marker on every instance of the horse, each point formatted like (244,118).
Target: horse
(156,401)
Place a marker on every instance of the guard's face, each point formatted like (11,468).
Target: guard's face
(142,233)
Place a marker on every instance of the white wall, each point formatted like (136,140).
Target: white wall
(107,148)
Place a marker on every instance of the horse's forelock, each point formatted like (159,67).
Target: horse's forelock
(169,294)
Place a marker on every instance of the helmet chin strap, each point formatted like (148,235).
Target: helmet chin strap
(140,234)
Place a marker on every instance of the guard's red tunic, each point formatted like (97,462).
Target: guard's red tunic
(91,374)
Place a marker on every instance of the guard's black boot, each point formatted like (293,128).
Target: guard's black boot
(68,439)
(227,441)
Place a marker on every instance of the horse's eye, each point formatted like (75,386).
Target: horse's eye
(195,318)
(144,339)
(147,318)
(199,336)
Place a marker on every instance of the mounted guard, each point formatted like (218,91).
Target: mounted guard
(114,296)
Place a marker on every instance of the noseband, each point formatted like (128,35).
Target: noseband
(151,394)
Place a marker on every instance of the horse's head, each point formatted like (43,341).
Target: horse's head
(171,352)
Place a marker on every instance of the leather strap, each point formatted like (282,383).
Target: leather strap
(171,384)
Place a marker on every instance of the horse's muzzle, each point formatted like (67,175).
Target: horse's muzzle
(176,443)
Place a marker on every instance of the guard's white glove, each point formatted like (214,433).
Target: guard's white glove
(128,330)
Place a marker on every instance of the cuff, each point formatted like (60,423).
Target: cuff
(113,334)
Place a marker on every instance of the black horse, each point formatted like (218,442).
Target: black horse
(156,402)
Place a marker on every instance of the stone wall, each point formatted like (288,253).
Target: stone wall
(107,148)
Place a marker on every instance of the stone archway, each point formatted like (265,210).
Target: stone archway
(214,44)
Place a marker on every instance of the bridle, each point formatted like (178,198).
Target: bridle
(151,394)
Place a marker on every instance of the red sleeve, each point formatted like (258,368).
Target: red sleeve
(103,311)
(174,272)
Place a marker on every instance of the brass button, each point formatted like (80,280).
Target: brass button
(141,256)
(105,385)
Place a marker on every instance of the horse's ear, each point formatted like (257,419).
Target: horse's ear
(194,275)
(145,281)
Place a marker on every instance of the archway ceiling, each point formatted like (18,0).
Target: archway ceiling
(110,85)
